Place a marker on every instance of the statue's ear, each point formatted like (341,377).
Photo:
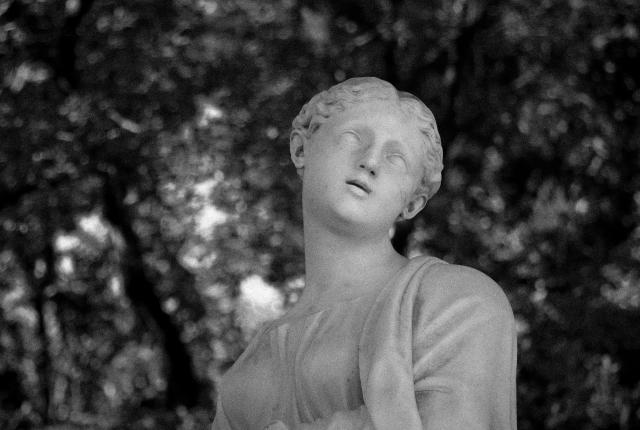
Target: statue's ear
(414,206)
(296,148)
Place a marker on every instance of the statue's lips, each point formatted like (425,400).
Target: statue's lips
(360,184)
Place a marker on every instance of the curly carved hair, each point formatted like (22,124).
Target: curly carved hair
(358,90)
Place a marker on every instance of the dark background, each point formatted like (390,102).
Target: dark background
(122,123)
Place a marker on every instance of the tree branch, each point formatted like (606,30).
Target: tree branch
(67,44)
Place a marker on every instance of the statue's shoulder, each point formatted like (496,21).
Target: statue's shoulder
(444,283)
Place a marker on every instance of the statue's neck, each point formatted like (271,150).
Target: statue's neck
(340,266)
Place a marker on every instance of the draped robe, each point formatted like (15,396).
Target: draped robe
(435,348)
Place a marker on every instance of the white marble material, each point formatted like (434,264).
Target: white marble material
(376,341)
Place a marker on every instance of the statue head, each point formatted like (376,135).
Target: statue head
(354,91)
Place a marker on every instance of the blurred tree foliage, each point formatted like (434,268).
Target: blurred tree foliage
(145,174)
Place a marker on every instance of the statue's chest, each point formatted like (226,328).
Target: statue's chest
(321,357)
(302,369)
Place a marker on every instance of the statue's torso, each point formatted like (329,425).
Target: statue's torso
(435,348)
(298,369)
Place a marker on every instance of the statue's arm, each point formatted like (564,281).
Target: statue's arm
(464,352)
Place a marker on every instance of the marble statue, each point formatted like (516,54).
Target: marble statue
(376,340)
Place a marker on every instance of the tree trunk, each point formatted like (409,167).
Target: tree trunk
(39,281)
(182,385)
(43,363)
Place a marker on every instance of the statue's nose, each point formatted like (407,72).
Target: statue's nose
(369,167)
(369,162)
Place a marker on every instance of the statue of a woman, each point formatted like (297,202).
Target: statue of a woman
(376,341)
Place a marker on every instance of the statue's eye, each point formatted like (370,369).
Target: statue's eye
(397,159)
(349,138)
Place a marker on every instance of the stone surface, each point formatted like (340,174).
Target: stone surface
(376,341)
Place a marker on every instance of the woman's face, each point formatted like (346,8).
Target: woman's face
(362,168)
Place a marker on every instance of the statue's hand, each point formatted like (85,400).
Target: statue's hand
(356,419)
(276,425)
